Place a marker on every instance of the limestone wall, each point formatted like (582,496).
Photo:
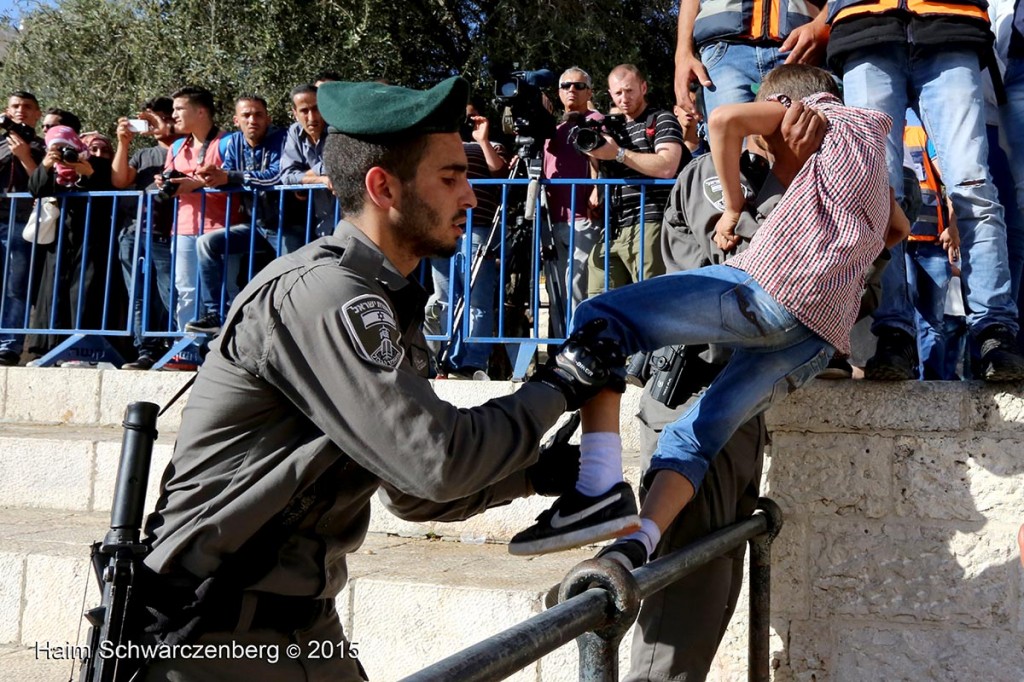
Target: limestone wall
(898,558)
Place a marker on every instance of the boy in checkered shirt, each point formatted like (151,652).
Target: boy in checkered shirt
(783,306)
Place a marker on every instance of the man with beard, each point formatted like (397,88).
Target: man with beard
(315,396)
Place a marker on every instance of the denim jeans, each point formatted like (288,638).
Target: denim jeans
(154,269)
(219,262)
(465,352)
(16,256)
(773,353)
(1012,134)
(928,272)
(734,68)
(562,269)
(946,86)
(186,275)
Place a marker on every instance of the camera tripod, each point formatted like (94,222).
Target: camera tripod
(527,165)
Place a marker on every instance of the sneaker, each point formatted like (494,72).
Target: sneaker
(207,324)
(1000,357)
(8,358)
(630,553)
(143,363)
(895,359)
(576,519)
(837,368)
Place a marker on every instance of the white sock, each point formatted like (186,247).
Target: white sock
(600,462)
(649,535)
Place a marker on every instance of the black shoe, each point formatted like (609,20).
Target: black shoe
(895,359)
(576,519)
(1000,357)
(143,363)
(630,553)
(207,324)
(8,358)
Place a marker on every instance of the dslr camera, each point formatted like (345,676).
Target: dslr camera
(588,134)
(9,125)
(169,188)
(69,155)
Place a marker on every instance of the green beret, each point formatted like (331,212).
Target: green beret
(371,110)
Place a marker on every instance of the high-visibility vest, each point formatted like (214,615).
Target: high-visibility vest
(751,20)
(971,9)
(932,219)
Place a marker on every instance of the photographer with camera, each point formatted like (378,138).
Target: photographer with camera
(648,144)
(21,150)
(470,360)
(562,159)
(155,120)
(203,145)
(69,167)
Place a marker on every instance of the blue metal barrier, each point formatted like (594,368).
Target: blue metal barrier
(53,290)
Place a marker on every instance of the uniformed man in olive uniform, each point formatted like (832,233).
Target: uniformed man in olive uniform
(315,396)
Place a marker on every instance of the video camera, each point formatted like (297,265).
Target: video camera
(525,116)
(8,125)
(588,134)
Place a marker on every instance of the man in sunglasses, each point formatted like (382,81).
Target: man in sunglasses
(563,160)
(648,145)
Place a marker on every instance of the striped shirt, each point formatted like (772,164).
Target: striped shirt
(664,130)
(812,252)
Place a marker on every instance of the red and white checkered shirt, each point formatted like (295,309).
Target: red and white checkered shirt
(812,252)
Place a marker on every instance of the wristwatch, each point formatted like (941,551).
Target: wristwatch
(620,156)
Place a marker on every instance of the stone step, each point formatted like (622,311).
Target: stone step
(66,459)
(441,597)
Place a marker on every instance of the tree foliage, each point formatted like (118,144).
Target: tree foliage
(101,58)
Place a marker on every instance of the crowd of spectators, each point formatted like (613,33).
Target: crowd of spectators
(949,295)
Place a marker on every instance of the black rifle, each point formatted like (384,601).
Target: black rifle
(116,558)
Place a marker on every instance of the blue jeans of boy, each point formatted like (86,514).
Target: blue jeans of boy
(773,352)
(928,272)
(946,86)
(218,254)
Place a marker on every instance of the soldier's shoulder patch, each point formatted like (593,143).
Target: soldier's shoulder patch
(371,324)
(713,192)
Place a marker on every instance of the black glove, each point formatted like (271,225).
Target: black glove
(585,364)
(556,470)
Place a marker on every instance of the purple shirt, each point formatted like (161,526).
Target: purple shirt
(561,160)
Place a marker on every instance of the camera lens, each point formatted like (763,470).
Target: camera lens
(69,155)
(588,140)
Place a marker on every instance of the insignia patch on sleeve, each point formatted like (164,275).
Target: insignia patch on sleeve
(374,330)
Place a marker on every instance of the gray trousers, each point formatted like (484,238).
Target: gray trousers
(679,629)
(557,272)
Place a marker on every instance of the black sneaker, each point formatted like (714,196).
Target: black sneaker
(1000,357)
(630,553)
(207,324)
(895,359)
(8,358)
(143,363)
(576,519)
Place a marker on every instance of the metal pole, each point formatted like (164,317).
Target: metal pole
(599,649)
(759,653)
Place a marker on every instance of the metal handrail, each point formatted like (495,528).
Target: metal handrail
(598,616)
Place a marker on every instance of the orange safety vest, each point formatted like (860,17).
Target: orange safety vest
(844,9)
(933,218)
